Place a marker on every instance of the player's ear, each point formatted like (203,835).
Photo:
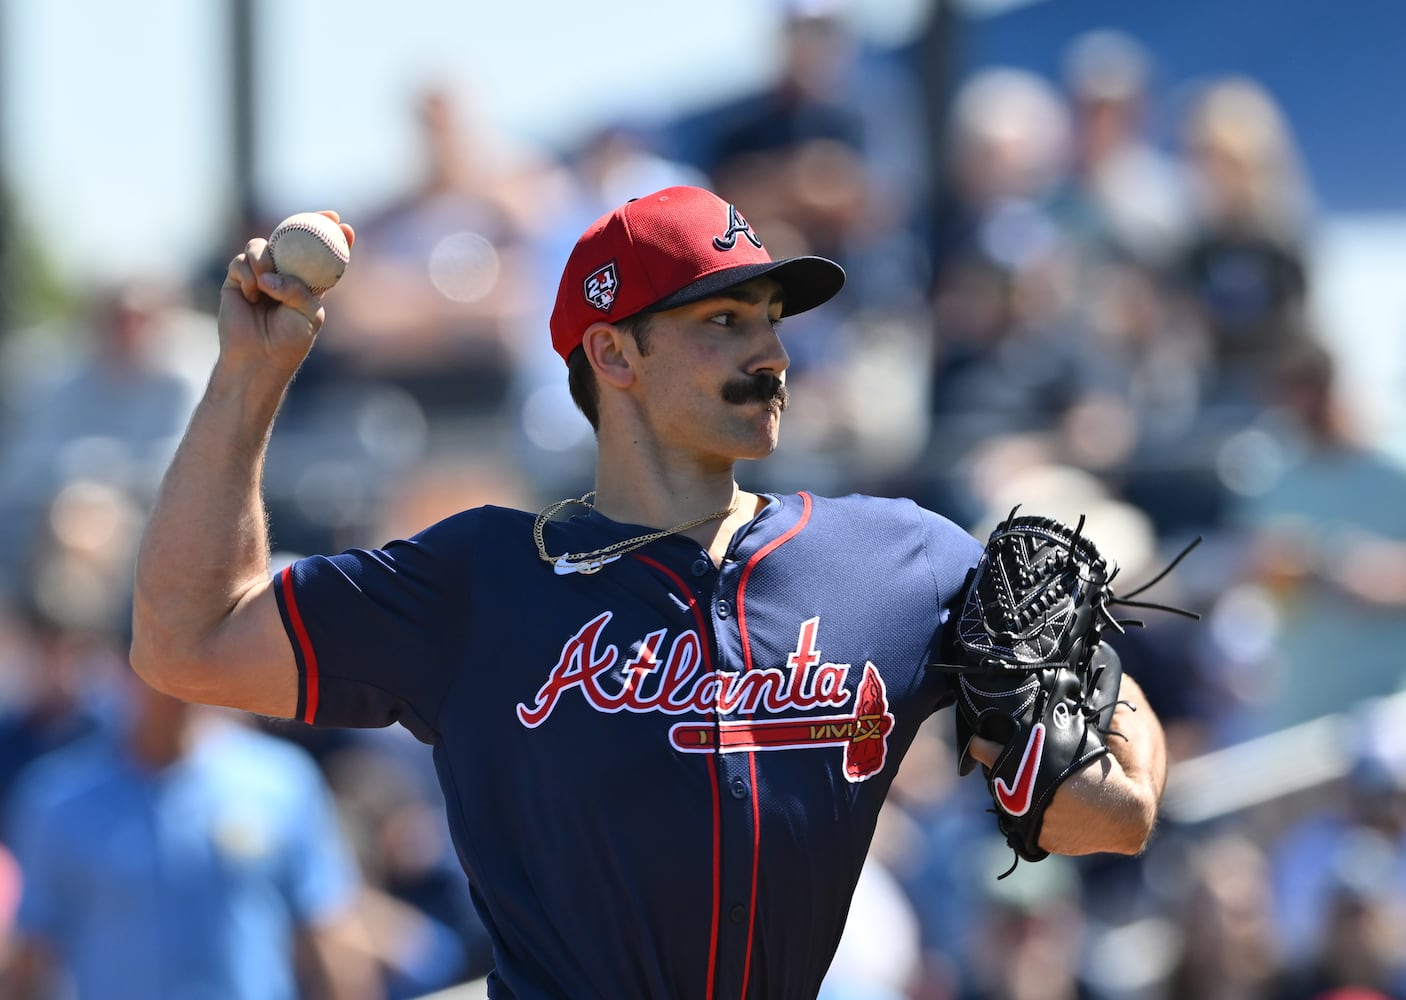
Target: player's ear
(604,345)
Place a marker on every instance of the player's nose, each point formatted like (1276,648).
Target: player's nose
(770,356)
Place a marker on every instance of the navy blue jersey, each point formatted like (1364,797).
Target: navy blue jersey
(662,778)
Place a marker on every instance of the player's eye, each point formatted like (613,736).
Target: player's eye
(730,318)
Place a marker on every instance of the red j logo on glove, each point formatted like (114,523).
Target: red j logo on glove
(1015,799)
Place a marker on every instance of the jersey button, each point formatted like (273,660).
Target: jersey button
(724,609)
(739,788)
(700,566)
(737,914)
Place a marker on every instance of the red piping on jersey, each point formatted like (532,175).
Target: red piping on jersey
(761,554)
(717,875)
(304,643)
(712,775)
(756,858)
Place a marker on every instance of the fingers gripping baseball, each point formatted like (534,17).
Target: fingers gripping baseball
(265,318)
(268,318)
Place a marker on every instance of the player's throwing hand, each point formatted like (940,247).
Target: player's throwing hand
(268,319)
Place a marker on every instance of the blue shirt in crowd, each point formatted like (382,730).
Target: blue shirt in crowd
(185,882)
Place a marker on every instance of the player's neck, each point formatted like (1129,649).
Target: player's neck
(661,506)
(712,529)
(638,482)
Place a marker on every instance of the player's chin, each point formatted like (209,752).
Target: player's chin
(764,436)
(753,429)
(757,453)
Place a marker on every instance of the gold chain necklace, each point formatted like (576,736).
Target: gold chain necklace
(592,562)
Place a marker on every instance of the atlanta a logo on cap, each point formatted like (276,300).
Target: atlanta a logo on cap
(601,286)
(736,226)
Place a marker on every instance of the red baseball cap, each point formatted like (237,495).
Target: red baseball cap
(668,249)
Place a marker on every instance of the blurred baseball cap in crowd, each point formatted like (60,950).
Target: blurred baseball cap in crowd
(814,10)
(1108,65)
(670,248)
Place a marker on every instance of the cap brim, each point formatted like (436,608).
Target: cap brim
(806,282)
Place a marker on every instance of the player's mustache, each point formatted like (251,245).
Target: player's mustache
(760,388)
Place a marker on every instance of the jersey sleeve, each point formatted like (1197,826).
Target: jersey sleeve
(373,630)
(952,553)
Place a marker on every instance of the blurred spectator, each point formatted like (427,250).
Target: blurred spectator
(929,819)
(1124,199)
(1135,325)
(796,151)
(1339,869)
(1360,942)
(1008,362)
(80,558)
(1244,270)
(72,599)
(617,163)
(416,906)
(1228,947)
(438,299)
(1163,458)
(55,698)
(806,100)
(184,855)
(1008,149)
(1124,207)
(828,157)
(1321,514)
(880,952)
(109,410)
(1030,944)
(1012,353)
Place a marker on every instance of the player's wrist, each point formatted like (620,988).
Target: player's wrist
(254,387)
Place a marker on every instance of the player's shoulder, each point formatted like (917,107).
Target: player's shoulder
(478,529)
(897,512)
(441,558)
(879,524)
(865,503)
(479,520)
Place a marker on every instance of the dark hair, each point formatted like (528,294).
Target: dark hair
(581,380)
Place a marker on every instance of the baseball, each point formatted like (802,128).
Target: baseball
(310,247)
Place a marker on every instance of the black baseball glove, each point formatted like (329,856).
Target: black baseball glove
(1033,672)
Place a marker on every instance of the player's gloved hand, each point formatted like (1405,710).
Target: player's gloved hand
(1036,685)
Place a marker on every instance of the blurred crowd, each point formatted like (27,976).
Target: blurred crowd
(1048,305)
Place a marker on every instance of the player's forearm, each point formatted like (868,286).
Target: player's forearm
(206,542)
(1111,805)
